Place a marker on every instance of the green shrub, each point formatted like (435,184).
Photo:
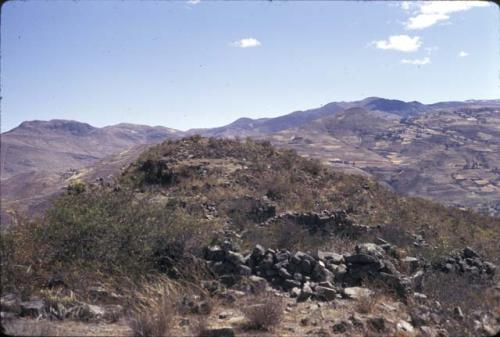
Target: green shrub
(76,187)
(109,232)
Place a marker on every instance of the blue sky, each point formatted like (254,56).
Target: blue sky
(206,63)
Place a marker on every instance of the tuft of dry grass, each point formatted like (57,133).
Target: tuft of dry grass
(367,304)
(157,320)
(265,314)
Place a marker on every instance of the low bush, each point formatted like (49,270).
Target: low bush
(105,232)
(76,187)
(264,313)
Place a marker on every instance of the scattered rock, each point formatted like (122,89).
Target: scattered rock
(325,293)
(218,332)
(411,264)
(113,312)
(356,292)
(257,284)
(457,312)
(102,295)
(34,308)
(224,314)
(340,327)
(405,327)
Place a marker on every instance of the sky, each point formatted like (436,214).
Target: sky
(195,64)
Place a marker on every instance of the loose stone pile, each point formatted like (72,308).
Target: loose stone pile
(321,275)
(465,261)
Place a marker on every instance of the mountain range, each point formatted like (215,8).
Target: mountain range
(448,152)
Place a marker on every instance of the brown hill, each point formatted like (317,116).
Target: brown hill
(451,156)
(38,158)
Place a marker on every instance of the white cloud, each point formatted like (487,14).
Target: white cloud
(193,2)
(429,13)
(402,43)
(246,43)
(463,54)
(417,62)
(422,21)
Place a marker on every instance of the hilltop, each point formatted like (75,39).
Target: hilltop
(221,225)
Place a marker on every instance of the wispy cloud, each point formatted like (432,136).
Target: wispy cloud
(193,2)
(402,43)
(417,62)
(429,13)
(463,54)
(246,43)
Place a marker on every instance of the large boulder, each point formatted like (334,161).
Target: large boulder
(258,253)
(321,273)
(257,284)
(235,258)
(325,293)
(214,253)
(371,249)
(356,292)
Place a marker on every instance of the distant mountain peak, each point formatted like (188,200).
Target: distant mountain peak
(58,125)
(395,106)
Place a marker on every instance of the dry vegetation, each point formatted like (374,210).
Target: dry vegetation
(264,313)
(150,227)
(156,320)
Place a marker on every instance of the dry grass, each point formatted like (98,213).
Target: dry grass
(29,328)
(157,320)
(199,326)
(468,293)
(265,314)
(367,304)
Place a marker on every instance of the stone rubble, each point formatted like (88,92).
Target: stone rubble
(320,276)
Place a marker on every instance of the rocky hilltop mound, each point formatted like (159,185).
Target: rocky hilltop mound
(217,237)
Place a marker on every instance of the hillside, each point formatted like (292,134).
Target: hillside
(193,215)
(449,156)
(39,158)
(58,145)
(446,152)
